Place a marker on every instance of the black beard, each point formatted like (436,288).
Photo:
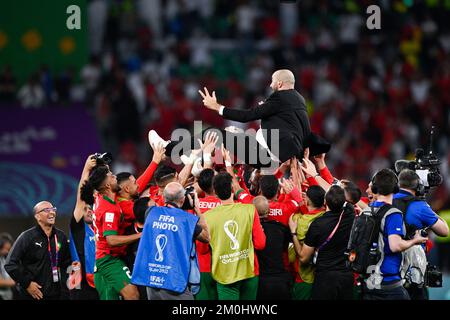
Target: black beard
(116,189)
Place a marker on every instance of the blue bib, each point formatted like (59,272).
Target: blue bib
(163,259)
(89,253)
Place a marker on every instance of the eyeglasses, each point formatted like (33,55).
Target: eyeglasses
(48,210)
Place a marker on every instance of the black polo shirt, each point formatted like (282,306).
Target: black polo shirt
(332,256)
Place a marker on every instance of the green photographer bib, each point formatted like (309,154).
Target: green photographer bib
(230,227)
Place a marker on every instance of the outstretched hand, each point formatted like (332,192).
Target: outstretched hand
(211,139)
(287,185)
(225,154)
(209,101)
(158,152)
(309,168)
(320,160)
(90,163)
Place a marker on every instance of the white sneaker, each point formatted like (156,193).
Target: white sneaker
(197,167)
(185,159)
(155,139)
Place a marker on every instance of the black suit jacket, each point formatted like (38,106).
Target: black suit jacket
(284,110)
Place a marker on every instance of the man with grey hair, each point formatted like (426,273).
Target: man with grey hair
(39,258)
(285,130)
(167,246)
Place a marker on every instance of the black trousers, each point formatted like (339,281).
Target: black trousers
(398,293)
(243,147)
(85,293)
(416,293)
(333,285)
(275,287)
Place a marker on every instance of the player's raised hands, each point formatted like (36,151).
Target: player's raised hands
(158,152)
(309,168)
(211,139)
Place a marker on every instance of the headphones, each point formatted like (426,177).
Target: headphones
(420,187)
(375,186)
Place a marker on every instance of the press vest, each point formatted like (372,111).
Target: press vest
(163,259)
(306,271)
(89,253)
(230,228)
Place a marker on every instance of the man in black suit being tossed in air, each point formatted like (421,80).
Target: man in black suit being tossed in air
(286,131)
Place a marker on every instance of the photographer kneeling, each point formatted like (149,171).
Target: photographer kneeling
(166,260)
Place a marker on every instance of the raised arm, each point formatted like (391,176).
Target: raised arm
(78,212)
(264,110)
(310,171)
(229,167)
(158,155)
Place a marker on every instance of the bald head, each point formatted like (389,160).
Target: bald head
(262,205)
(174,192)
(45,213)
(41,205)
(282,79)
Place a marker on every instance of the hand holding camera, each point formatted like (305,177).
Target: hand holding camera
(420,237)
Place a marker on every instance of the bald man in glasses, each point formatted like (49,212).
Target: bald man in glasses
(40,257)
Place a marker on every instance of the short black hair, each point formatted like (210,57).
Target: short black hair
(205,180)
(222,184)
(335,198)
(95,181)
(385,182)
(317,196)
(123,176)
(269,186)
(352,190)
(5,238)
(140,208)
(408,179)
(163,173)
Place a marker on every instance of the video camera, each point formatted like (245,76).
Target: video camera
(426,166)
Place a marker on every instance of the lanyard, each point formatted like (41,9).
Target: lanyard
(332,232)
(53,258)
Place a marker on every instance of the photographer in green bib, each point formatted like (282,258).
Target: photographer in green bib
(236,233)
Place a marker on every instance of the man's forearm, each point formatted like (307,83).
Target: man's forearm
(297,244)
(115,240)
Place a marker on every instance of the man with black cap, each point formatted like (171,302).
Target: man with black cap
(285,130)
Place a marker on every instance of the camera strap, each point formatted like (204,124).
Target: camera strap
(172,204)
(316,253)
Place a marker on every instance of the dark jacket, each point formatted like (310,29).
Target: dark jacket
(284,110)
(270,259)
(29,260)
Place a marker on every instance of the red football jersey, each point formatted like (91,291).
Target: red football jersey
(209,202)
(108,220)
(279,211)
(204,259)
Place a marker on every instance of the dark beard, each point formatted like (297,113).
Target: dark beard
(116,189)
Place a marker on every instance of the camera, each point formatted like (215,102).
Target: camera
(103,158)
(426,166)
(433,277)
(188,205)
